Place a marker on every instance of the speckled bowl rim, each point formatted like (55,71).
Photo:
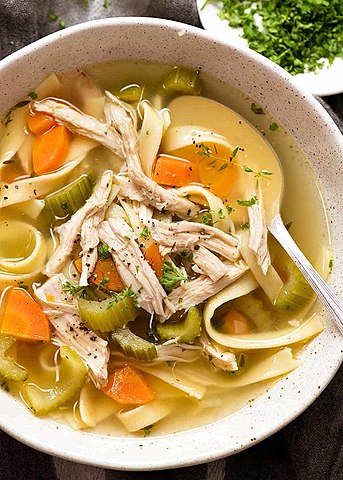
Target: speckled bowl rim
(319,137)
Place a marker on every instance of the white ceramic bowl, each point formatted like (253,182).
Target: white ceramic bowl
(321,141)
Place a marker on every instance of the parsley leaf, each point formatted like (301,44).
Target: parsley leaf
(70,288)
(248,203)
(103,251)
(145,233)
(273,126)
(257,109)
(171,277)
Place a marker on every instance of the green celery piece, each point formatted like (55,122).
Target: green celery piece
(72,375)
(130,93)
(133,346)
(107,315)
(9,370)
(296,292)
(184,81)
(68,199)
(185,331)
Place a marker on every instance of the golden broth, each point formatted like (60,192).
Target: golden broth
(300,188)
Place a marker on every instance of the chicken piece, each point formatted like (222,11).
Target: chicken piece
(206,263)
(149,192)
(54,295)
(94,351)
(186,235)
(133,268)
(197,291)
(220,358)
(68,232)
(62,310)
(258,235)
(80,123)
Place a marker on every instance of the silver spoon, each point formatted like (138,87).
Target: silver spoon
(325,294)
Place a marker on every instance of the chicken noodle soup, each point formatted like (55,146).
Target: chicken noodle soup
(141,292)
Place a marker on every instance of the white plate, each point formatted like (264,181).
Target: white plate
(328,81)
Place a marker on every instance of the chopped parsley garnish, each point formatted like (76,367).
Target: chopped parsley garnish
(117,297)
(53,16)
(206,218)
(273,126)
(330,265)
(103,282)
(245,226)
(298,35)
(72,289)
(221,214)
(234,152)
(147,430)
(171,277)
(33,95)
(105,4)
(248,203)
(229,209)
(85,4)
(145,233)
(257,109)
(103,251)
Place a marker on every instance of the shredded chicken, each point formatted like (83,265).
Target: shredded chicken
(61,309)
(83,223)
(144,189)
(219,358)
(197,291)
(186,235)
(133,269)
(258,235)
(206,263)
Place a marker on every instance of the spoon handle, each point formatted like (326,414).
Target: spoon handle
(328,298)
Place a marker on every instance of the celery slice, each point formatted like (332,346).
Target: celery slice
(133,346)
(9,370)
(68,199)
(107,315)
(130,93)
(296,292)
(185,331)
(72,375)
(183,80)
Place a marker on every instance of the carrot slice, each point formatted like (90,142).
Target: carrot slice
(23,318)
(235,323)
(174,171)
(40,122)
(129,387)
(49,150)
(155,259)
(104,269)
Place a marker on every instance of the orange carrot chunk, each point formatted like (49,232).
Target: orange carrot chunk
(155,259)
(40,122)
(104,270)
(235,323)
(128,386)
(49,150)
(23,318)
(174,171)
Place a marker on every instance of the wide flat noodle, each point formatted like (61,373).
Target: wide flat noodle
(218,210)
(150,136)
(35,187)
(144,415)
(94,406)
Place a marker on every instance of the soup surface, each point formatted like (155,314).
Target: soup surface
(141,291)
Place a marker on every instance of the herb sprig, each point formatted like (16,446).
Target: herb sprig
(171,277)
